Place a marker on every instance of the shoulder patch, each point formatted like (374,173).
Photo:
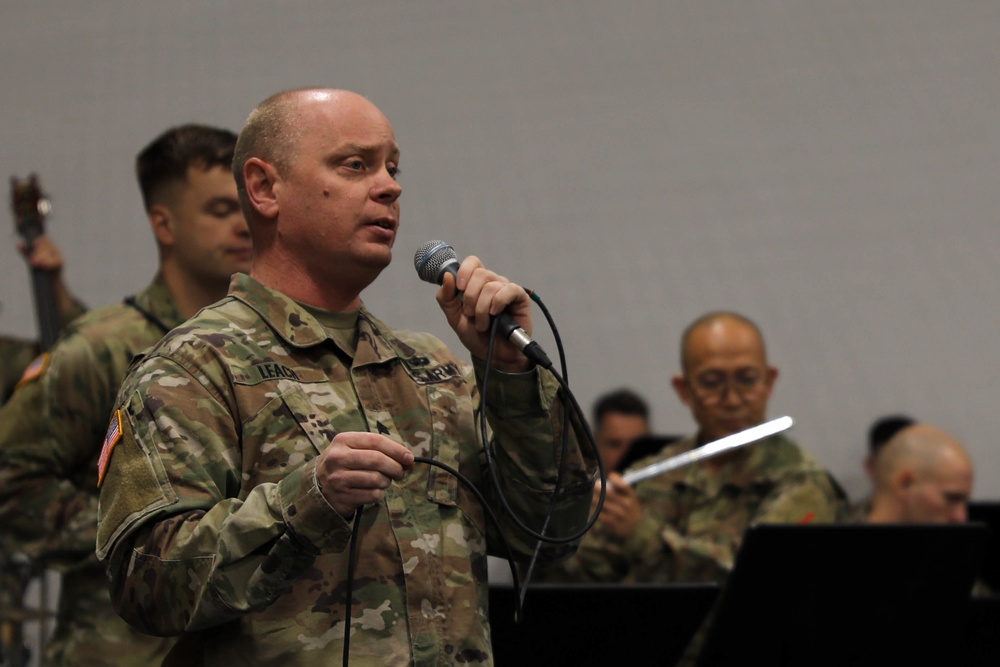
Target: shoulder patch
(111,439)
(34,369)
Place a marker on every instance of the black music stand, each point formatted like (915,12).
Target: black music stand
(855,595)
(988,512)
(597,624)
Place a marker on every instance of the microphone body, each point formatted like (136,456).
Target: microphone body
(433,259)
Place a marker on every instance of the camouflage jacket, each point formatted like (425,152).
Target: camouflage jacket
(50,439)
(212,523)
(693,521)
(16,354)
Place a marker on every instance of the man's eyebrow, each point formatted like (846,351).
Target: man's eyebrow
(222,200)
(350,148)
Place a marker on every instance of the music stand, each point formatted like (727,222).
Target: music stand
(988,512)
(597,624)
(854,595)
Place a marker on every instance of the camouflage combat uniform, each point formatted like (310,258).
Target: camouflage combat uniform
(693,522)
(50,439)
(212,523)
(16,354)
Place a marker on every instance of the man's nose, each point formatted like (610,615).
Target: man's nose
(387,188)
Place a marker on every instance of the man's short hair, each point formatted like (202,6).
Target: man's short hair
(621,401)
(269,135)
(167,158)
(883,429)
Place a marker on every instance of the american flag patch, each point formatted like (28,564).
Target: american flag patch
(34,369)
(110,440)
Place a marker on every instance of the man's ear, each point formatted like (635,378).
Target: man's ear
(262,183)
(771,375)
(161,220)
(869,467)
(903,480)
(680,385)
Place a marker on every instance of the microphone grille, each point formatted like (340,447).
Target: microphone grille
(430,258)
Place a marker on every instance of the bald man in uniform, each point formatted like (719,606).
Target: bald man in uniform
(687,525)
(922,475)
(263,444)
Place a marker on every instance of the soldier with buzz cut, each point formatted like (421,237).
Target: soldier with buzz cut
(263,496)
(52,428)
(921,475)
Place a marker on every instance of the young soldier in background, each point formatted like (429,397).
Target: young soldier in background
(52,428)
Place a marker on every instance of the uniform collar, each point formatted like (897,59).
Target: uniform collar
(297,327)
(157,300)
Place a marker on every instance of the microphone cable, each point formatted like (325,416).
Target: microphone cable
(352,561)
(562,461)
(540,537)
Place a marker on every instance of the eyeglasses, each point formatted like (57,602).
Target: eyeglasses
(712,387)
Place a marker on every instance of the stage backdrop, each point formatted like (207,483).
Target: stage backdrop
(830,169)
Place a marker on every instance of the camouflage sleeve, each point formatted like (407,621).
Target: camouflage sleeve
(599,559)
(810,496)
(662,552)
(75,310)
(49,439)
(526,412)
(15,355)
(182,552)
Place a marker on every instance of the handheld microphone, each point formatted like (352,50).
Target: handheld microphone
(435,258)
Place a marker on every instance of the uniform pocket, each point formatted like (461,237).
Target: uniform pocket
(309,418)
(286,433)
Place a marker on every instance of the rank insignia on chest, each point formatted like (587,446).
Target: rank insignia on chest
(114,434)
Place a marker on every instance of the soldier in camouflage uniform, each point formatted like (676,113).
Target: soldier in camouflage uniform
(687,525)
(16,354)
(52,429)
(253,439)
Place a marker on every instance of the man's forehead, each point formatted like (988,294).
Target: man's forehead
(722,337)
(360,130)
(725,357)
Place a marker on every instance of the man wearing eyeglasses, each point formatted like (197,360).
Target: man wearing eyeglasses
(687,525)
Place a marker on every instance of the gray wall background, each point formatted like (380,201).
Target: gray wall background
(828,168)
